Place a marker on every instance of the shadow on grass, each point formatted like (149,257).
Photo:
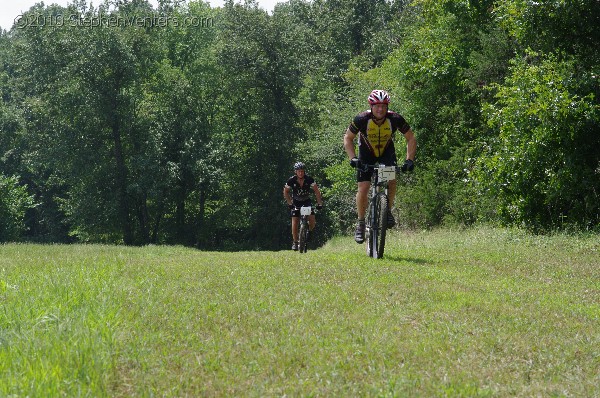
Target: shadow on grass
(401,259)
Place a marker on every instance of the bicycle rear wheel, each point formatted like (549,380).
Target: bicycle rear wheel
(378,226)
(303,245)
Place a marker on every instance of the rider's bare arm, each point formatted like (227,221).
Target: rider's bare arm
(349,144)
(411,145)
(317,194)
(286,194)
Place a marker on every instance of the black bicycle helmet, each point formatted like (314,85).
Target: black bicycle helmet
(299,166)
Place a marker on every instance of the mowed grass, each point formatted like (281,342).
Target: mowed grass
(482,312)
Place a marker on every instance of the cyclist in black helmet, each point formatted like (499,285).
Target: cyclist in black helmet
(296,192)
(375,130)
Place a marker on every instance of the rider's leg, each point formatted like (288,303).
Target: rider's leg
(362,198)
(295,228)
(391,193)
(391,221)
(311,222)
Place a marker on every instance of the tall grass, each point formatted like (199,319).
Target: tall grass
(487,312)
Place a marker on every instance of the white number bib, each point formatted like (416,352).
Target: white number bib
(386,173)
(305,210)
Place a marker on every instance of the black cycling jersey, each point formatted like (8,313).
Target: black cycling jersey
(300,193)
(374,141)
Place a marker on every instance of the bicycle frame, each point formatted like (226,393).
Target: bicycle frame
(305,212)
(377,212)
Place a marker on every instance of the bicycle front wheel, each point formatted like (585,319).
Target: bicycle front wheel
(303,244)
(379,209)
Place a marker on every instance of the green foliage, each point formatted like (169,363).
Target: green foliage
(184,134)
(543,165)
(15,201)
(255,133)
(546,26)
(426,75)
(436,86)
(341,196)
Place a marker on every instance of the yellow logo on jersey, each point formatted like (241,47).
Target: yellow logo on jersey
(379,136)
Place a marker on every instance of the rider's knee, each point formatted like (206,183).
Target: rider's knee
(363,187)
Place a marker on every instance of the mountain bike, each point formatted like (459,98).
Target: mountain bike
(304,228)
(377,213)
(305,212)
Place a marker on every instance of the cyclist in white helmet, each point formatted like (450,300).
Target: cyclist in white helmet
(376,129)
(296,193)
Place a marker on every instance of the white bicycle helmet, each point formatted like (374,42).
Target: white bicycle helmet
(379,97)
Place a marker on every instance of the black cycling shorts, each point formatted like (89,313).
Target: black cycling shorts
(295,212)
(388,158)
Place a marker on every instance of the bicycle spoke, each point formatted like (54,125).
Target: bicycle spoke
(381,206)
(303,235)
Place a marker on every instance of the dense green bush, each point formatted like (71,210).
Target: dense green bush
(185,134)
(543,165)
(14,202)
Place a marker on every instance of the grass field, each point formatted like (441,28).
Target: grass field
(482,312)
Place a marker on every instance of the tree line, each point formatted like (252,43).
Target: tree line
(136,133)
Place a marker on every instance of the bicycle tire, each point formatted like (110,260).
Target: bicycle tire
(369,232)
(379,225)
(372,227)
(303,244)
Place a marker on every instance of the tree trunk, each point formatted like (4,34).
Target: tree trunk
(199,232)
(180,224)
(121,179)
(144,219)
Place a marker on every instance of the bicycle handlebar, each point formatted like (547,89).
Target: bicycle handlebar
(317,207)
(367,167)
